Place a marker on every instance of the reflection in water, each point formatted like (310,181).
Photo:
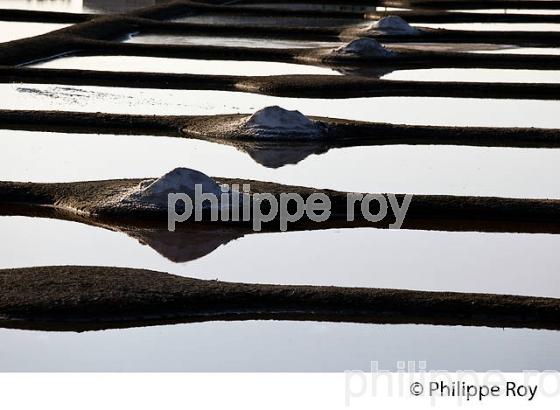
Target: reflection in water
(364,71)
(279,346)
(185,244)
(505,172)
(277,155)
(522,264)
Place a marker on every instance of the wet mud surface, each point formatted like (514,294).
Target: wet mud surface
(87,298)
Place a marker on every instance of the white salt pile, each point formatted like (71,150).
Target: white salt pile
(393,25)
(154,192)
(364,47)
(276,122)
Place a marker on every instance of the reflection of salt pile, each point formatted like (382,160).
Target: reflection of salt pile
(392,25)
(276,122)
(363,47)
(154,192)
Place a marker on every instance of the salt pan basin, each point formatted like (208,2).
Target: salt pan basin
(226,41)
(417,169)
(523,50)
(15,30)
(71,6)
(494,26)
(476,75)
(403,259)
(398,110)
(272,346)
(182,66)
(78,6)
(269,21)
(511,11)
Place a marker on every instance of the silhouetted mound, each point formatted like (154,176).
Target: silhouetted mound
(80,298)
(154,192)
(393,25)
(277,122)
(363,48)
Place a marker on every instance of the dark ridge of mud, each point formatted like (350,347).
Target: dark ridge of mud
(190,51)
(90,123)
(63,41)
(101,199)
(344,133)
(235,9)
(168,10)
(75,38)
(301,86)
(427,35)
(119,79)
(218,128)
(293,33)
(82,298)
(402,59)
(41,16)
(348,87)
(411,16)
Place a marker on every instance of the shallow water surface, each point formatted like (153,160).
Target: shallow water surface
(307,6)
(398,110)
(269,346)
(511,11)
(79,6)
(182,66)
(226,41)
(269,21)
(15,30)
(474,48)
(493,26)
(501,263)
(476,75)
(522,50)
(507,172)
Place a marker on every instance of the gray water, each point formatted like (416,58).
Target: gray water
(493,26)
(79,6)
(476,75)
(507,172)
(398,110)
(523,264)
(226,41)
(269,21)
(268,346)
(501,263)
(15,30)
(182,66)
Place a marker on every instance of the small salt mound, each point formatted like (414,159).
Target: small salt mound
(180,180)
(364,47)
(271,122)
(393,25)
